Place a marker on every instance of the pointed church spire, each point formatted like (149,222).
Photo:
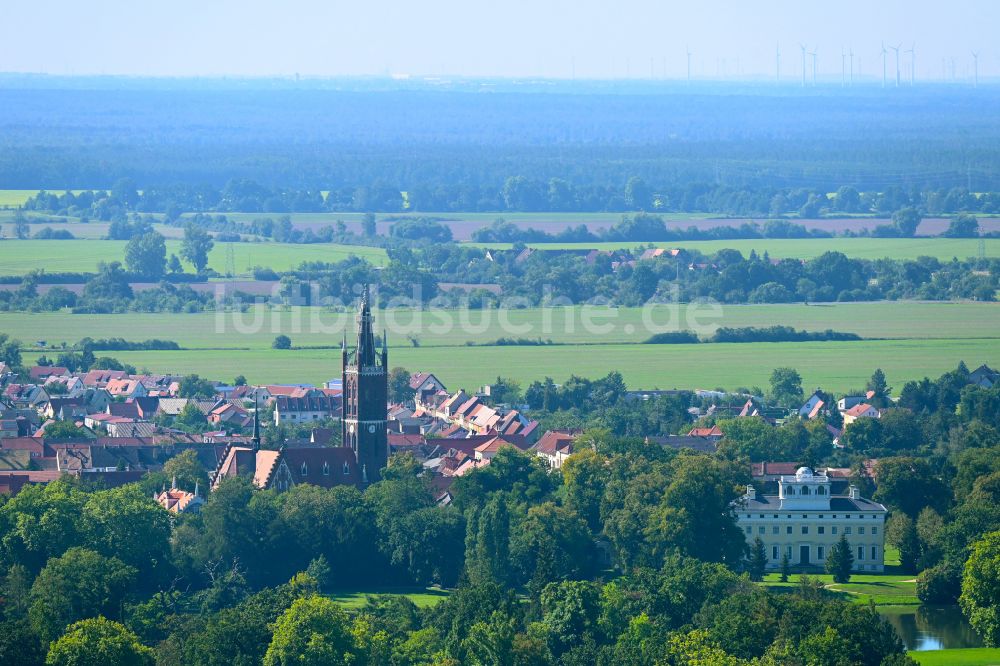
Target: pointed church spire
(365,356)
(256,422)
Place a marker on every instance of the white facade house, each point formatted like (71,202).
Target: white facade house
(860,411)
(805,520)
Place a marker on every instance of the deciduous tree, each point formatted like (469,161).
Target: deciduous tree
(980,598)
(146,255)
(98,642)
(196,245)
(314,631)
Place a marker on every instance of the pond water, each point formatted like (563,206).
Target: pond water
(932,627)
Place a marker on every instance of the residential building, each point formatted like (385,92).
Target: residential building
(424,384)
(859,411)
(305,409)
(555,447)
(127,388)
(812,407)
(849,401)
(984,377)
(40,373)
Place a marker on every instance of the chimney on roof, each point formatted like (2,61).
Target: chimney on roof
(751,493)
(853,492)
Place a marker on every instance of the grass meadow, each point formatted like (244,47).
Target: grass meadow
(880,589)
(963,657)
(423,598)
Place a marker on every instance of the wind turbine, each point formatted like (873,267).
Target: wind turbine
(688,49)
(896,49)
(813,54)
(913,62)
(777,62)
(975,68)
(803,47)
(884,52)
(843,67)
(852,65)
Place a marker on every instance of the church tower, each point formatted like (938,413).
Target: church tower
(365,394)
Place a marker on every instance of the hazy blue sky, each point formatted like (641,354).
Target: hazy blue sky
(549,38)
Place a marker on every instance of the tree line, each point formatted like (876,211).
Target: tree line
(242,580)
(514,194)
(414,275)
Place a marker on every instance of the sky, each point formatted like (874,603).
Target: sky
(507,38)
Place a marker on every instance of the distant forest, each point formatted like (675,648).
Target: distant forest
(458,148)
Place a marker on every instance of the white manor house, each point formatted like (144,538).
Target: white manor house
(805,519)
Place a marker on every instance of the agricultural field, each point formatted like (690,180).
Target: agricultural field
(313,327)
(808,248)
(907,339)
(834,366)
(87,231)
(15,198)
(17,257)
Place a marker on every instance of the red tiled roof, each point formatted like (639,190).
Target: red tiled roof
(714,431)
(776,468)
(288,391)
(43,371)
(401,439)
(858,410)
(418,378)
(495,443)
(98,377)
(553,441)
(33,444)
(814,412)
(467,406)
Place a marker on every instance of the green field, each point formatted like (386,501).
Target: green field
(965,657)
(899,320)
(15,198)
(422,598)
(880,589)
(917,339)
(832,366)
(808,248)
(20,256)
